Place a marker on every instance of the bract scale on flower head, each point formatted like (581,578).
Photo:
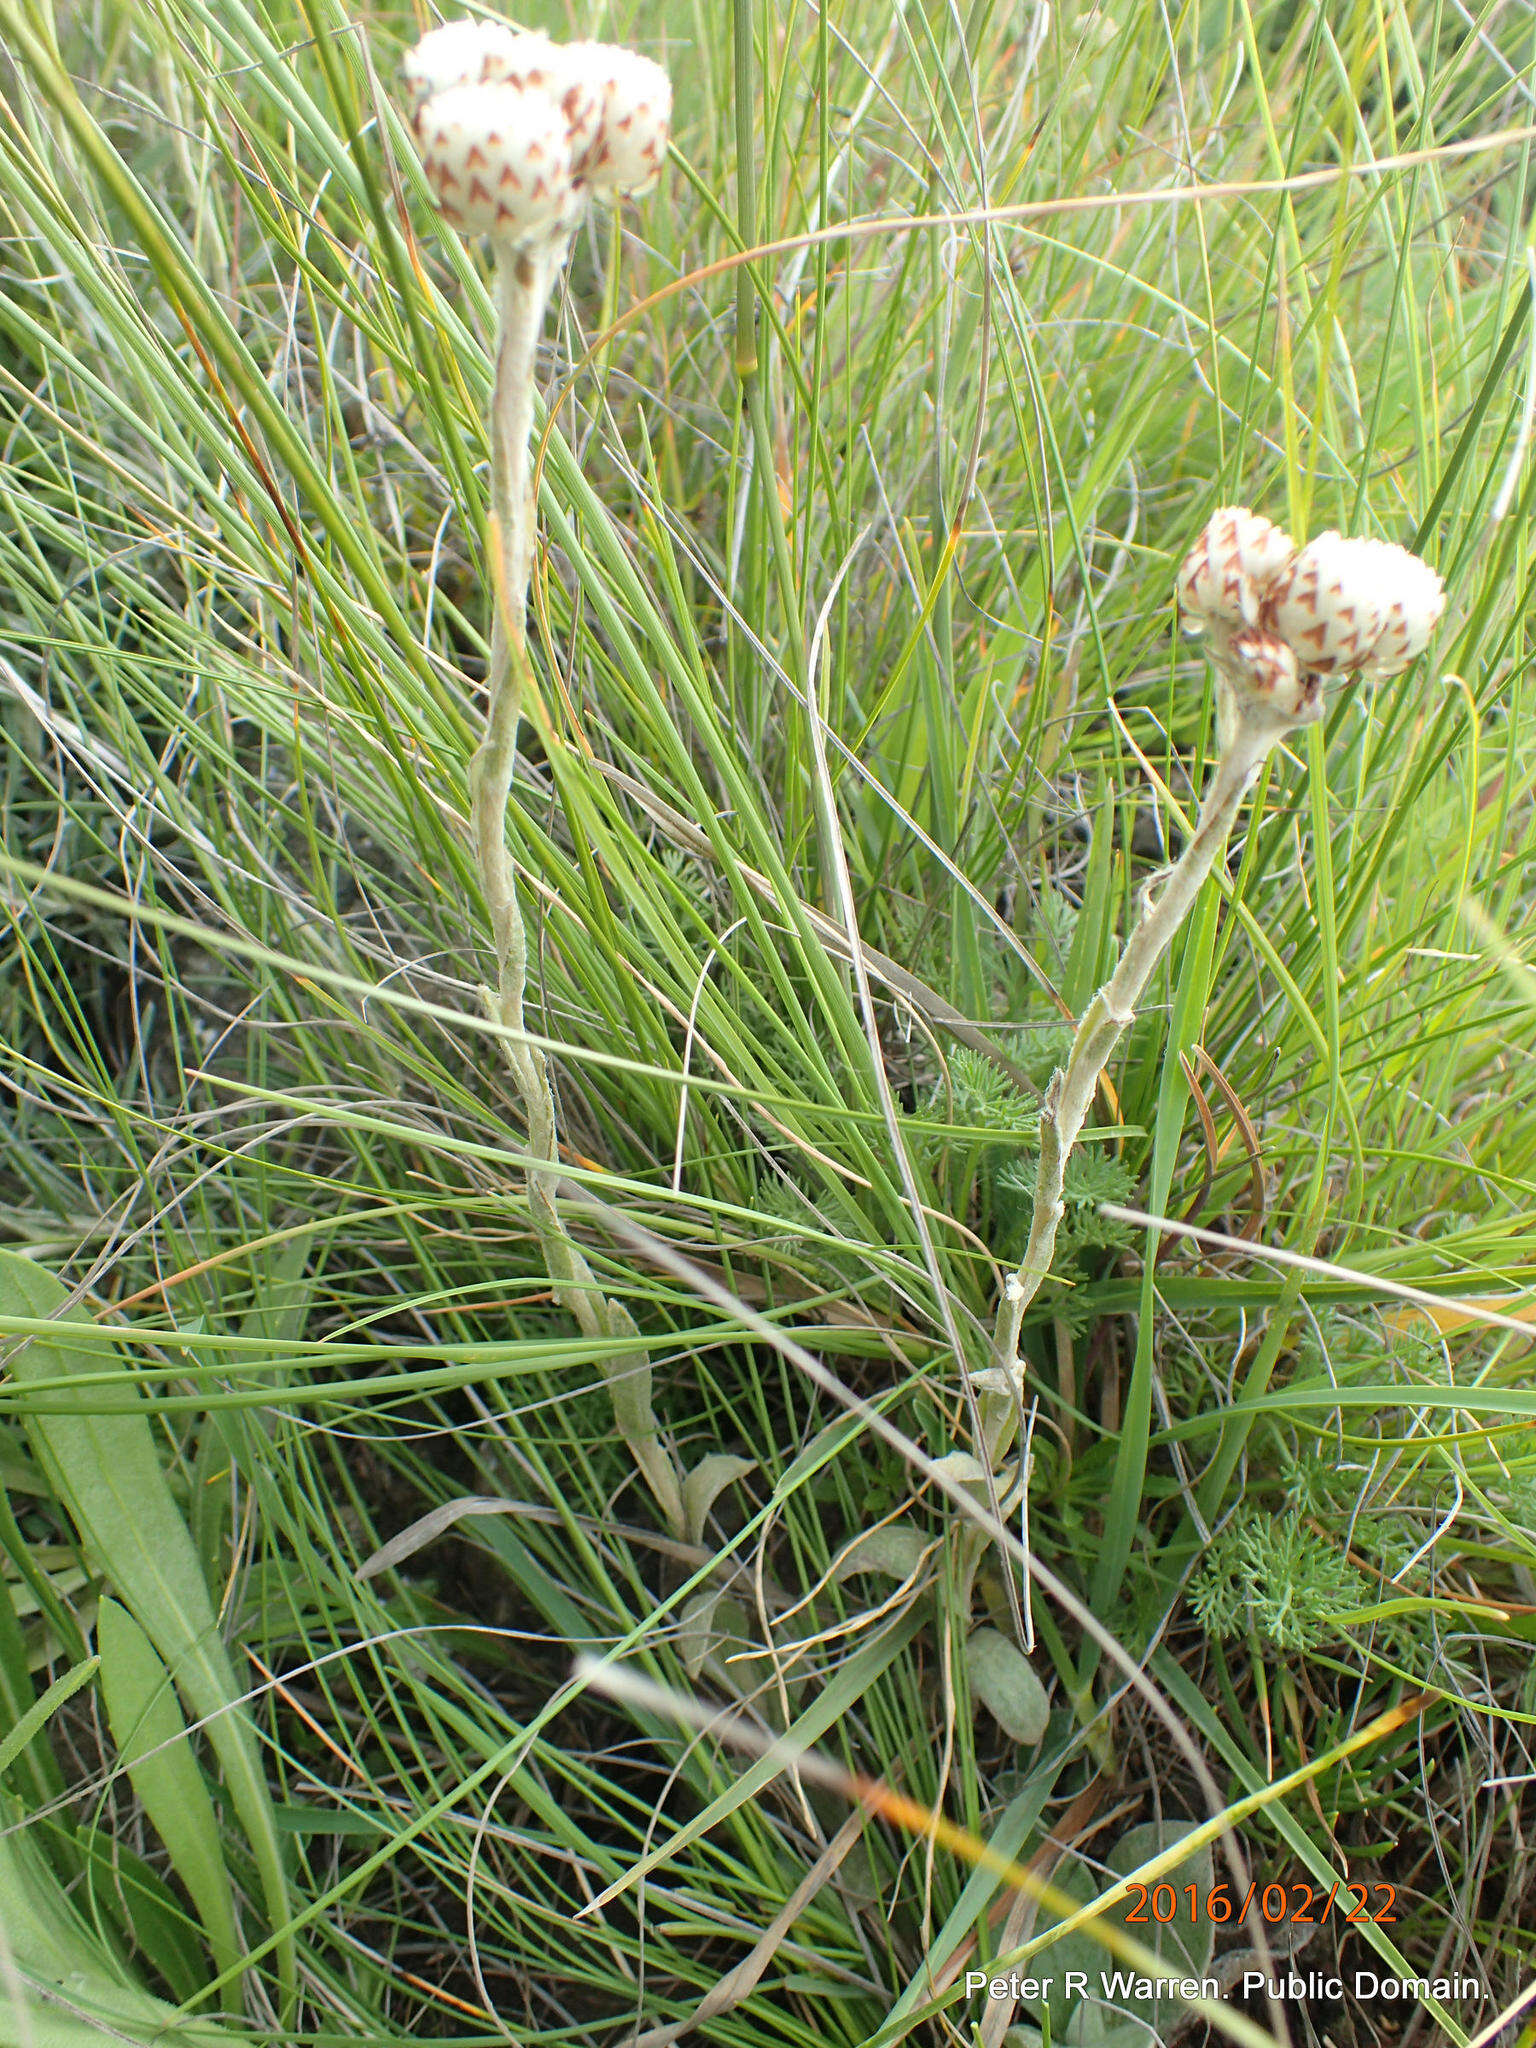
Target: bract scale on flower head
(1271,680)
(1355,604)
(1412,601)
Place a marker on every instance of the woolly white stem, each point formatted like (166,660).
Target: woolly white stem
(1070,1094)
(522,295)
(523,284)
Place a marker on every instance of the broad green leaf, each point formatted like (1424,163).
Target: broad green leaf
(60,1984)
(154,1922)
(966,1468)
(1193,1938)
(1004,1680)
(1096,2022)
(152,1741)
(1182,1944)
(896,1551)
(704,1485)
(26,1756)
(108,1476)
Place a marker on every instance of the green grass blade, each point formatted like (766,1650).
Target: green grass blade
(111,1482)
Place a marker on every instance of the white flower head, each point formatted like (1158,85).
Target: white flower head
(498,158)
(1270,678)
(1327,604)
(1227,572)
(633,97)
(1356,604)
(1412,600)
(470,53)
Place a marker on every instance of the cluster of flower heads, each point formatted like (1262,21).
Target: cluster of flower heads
(1289,618)
(517,132)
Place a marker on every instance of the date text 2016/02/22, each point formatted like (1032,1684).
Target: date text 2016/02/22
(1303,1904)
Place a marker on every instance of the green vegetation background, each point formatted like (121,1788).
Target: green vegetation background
(858,566)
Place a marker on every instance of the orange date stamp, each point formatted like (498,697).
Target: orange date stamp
(1291,1905)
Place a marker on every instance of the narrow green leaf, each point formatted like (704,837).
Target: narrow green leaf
(37,1769)
(42,1711)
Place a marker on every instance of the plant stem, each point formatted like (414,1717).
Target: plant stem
(1070,1093)
(523,284)
(522,290)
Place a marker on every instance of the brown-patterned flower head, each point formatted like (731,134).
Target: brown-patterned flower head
(1412,600)
(1227,572)
(498,158)
(633,97)
(1265,670)
(1330,603)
